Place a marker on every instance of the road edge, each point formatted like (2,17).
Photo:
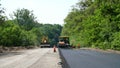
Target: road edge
(64,62)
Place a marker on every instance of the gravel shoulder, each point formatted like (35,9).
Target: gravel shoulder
(100,50)
(33,58)
(49,60)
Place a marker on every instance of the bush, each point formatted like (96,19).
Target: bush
(116,41)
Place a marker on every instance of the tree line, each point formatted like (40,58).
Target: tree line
(94,23)
(25,30)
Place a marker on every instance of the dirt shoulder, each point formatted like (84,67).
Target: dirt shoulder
(101,50)
(49,60)
(4,49)
(32,58)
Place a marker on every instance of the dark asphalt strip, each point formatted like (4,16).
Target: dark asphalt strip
(64,62)
(77,58)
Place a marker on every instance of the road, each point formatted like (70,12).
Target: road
(34,58)
(83,58)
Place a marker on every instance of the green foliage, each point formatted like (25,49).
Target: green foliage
(2,18)
(12,35)
(52,32)
(24,30)
(25,18)
(94,23)
(116,41)
(9,34)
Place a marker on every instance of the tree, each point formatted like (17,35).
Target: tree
(10,34)
(2,18)
(24,30)
(52,32)
(94,23)
(25,18)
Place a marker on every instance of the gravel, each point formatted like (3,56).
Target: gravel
(34,58)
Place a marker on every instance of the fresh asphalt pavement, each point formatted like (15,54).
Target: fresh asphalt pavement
(83,58)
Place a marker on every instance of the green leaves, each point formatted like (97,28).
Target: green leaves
(2,17)
(116,41)
(9,34)
(52,32)
(94,23)
(24,30)
(25,18)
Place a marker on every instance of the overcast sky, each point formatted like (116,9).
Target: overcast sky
(46,11)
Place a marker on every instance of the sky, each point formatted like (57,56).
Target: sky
(46,11)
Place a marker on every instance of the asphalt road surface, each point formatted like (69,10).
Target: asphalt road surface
(83,58)
(34,58)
